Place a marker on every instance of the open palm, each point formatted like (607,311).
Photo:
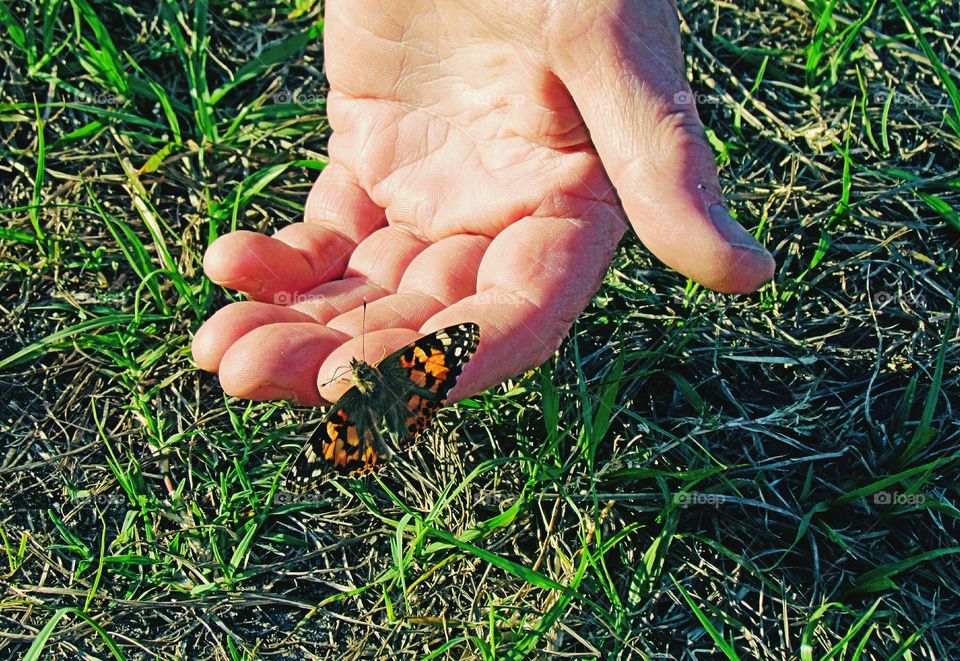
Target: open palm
(485,161)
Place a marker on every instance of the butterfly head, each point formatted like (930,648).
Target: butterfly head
(365,377)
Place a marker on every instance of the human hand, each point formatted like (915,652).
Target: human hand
(485,161)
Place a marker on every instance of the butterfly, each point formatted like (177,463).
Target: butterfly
(401,393)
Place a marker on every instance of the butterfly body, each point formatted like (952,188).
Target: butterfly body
(366,378)
(390,402)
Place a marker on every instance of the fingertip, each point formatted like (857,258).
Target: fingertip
(746,271)
(257,265)
(743,264)
(278,361)
(228,324)
(203,350)
(220,258)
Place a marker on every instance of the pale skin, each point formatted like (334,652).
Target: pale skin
(486,158)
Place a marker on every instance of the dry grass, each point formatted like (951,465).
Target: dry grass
(691,472)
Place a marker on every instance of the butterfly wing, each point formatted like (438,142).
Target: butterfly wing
(338,445)
(428,369)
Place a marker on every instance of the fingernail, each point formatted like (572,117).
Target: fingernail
(246,285)
(731,230)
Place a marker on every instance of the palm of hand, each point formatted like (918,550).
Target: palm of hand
(462,186)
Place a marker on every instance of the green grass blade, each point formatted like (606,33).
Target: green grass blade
(43,637)
(133,249)
(17,34)
(51,341)
(841,645)
(39,178)
(724,646)
(101,59)
(881,578)
(924,431)
(280,53)
(941,71)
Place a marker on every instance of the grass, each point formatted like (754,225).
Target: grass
(692,476)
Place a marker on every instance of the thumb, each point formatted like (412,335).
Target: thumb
(624,69)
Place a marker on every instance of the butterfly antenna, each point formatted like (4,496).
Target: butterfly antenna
(363,332)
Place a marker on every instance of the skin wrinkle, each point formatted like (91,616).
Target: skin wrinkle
(319,310)
(428,298)
(400,161)
(575,137)
(263,263)
(314,299)
(330,227)
(321,273)
(349,318)
(383,193)
(342,109)
(365,8)
(474,125)
(488,165)
(396,89)
(648,159)
(444,63)
(368,153)
(553,105)
(551,267)
(416,75)
(492,17)
(357,141)
(370,91)
(626,35)
(594,200)
(350,214)
(364,263)
(555,209)
(385,204)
